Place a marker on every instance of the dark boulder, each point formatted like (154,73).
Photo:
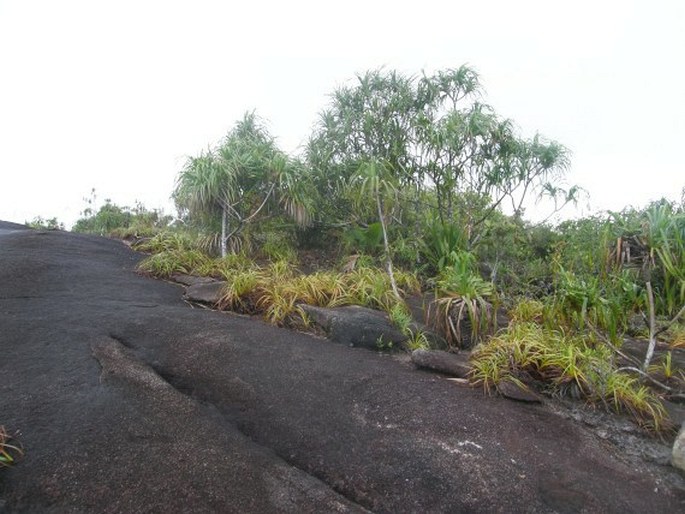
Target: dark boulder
(518,392)
(356,326)
(453,364)
(191,280)
(205,293)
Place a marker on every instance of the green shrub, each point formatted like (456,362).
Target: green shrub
(45,224)
(442,244)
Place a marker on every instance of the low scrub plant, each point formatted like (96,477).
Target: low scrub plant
(463,298)
(401,317)
(278,290)
(604,304)
(561,364)
(442,245)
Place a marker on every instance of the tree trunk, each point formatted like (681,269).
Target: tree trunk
(652,328)
(223,232)
(386,246)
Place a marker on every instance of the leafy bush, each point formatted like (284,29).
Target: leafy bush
(45,224)
(364,240)
(123,222)
(441,245)
(605,304)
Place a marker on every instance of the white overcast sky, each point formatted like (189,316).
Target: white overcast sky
(113,95)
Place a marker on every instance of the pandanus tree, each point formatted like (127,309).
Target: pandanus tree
(451,156)
(374,181)
(241,178)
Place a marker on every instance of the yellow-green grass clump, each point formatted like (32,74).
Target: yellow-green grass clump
(562,364)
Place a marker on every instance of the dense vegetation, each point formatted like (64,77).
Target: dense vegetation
(412,185)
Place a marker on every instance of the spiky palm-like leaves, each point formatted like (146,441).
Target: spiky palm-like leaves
(241,178)
(462,297)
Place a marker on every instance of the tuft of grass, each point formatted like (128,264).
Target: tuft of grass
(676,335)
(603,303)
(400,317)
(243,290)
(166,242)
(560,364)
(527,311)
(9,453)
(277,291)
(417,340)
(166,263)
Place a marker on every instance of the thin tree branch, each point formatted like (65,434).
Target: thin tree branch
(251,216)
(648,377)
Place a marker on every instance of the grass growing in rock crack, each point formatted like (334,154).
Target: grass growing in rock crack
(168,262)
(563,364)
(401,317)
(166,242)
(277,290)
(9,453)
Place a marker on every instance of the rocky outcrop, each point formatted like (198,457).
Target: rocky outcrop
(356,326)
(453,364)
(200,289)
(191,280)
(208,292)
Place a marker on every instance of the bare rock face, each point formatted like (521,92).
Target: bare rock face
(678,453)
(453,364)
(209,292)
(356,326)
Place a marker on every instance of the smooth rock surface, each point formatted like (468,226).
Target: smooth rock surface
(205,293)
(453,364)
(191,280)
